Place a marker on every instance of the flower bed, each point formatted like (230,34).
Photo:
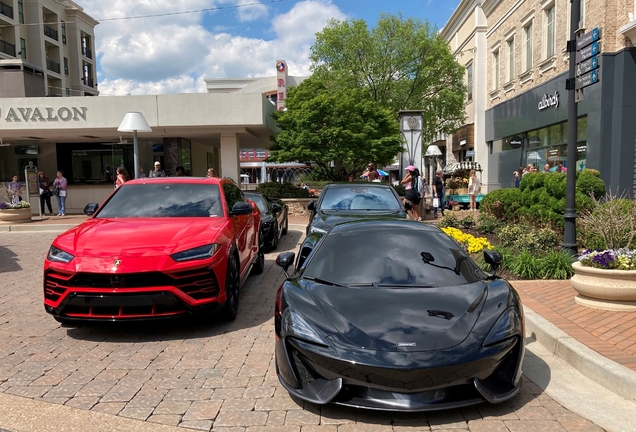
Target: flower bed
(620,259)
(471,243)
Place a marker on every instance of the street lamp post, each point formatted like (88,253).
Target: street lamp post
(134,122)
(411,130)
(433,152)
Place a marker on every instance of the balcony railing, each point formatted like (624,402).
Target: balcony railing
(88,82)
(50,32)
(7,48)
(6,10)
(86,52)
(53,66)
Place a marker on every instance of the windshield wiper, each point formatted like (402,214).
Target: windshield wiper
(324,281)
(384,285)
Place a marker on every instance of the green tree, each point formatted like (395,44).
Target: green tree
(401,63)
(341,130)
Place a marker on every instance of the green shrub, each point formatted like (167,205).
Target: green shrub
(555,184)
(610,225)
(557,264)
(487,224)
(467,222)
(508,234)
(527,265)
(282,190)
(537,241)
(589,183)
(449,221)
(401,191)
(502,203)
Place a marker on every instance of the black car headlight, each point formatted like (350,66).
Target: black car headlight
(197,253)
(507,326)
(58,255)
(295,326)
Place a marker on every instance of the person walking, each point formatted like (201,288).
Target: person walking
(474,188)
(44,185)
(438,192)
(60,184)
(413,184)
(157,172)
(122,177)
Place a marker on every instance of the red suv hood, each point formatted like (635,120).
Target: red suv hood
(96,242)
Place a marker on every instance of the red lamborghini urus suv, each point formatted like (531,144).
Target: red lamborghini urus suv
(156,248)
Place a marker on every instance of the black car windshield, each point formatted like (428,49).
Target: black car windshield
(391,256)
(359,197)
(260,202)
(151,200)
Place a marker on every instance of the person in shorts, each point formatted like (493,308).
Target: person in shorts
(413,186)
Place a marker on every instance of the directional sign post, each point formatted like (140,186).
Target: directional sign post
(588,61)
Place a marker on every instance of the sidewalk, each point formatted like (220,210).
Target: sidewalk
(600,344)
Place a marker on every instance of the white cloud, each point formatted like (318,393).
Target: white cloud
(174,53)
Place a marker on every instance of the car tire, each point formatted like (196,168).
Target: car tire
(285,227)
(232,288)
(259,265)
(275,240)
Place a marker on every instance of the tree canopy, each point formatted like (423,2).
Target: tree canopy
(341,130)
(403,64)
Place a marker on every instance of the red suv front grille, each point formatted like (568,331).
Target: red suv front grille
(198,284)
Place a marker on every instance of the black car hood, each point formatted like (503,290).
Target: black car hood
(401,319)
(327,220)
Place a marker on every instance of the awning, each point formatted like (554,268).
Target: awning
(451,168)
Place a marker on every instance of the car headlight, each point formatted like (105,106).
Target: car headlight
(197,253)
(58,255)
(313,229)
(295,326)
(508,325)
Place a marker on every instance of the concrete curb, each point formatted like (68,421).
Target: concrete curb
(34,228)
(611,375)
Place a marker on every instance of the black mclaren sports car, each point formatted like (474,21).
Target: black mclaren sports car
(394,315)
(274,218)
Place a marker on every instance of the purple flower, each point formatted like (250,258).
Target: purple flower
(4,206)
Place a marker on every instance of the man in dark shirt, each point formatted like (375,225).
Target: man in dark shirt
(157,172)
(438,191)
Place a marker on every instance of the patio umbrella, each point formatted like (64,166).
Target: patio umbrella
(383,173)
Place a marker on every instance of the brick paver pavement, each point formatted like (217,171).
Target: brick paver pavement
(611,334)
(199,375)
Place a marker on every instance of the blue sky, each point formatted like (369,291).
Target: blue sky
(239,38)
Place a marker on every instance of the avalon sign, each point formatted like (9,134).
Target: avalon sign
(46,114)
(549,101)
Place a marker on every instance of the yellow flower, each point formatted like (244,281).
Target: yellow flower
(471,243)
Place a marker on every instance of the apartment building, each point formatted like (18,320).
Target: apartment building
(47,48)
(465,33)
(527,101)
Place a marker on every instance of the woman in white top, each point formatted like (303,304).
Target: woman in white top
(474,188)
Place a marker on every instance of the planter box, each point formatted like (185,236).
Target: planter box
(613,290)
(14,216)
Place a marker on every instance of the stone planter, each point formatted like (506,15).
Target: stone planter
(613,290)
(14,216)
(298,206)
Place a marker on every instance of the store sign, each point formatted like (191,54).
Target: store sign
(281,84)
(47,114)
(549,101)
(534,141)
(515,142)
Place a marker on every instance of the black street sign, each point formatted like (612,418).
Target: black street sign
(588,52)
(587,79)
(588,65)
(588,38)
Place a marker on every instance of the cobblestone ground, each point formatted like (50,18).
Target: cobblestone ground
(200,375)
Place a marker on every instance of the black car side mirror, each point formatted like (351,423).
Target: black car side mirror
(241,208)
(284,260)
(494,259)
(276,207)
(311,206)
(90,209)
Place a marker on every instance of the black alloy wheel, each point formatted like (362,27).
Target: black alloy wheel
(259,265)
(286,226)
(232,285)
(275,239)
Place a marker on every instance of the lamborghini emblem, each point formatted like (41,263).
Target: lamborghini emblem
(116,263)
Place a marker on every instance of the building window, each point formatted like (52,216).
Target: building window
(549,31)
(527,47)
(63,32)
(495,69)
(20,12)
(68,92)
(469,82)
(23,48)
(65,66)
(510,65)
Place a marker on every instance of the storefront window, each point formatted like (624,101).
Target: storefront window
(96,166)
(548,146)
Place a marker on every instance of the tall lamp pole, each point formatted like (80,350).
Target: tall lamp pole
(411,130)
(569,232)
(134,122)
